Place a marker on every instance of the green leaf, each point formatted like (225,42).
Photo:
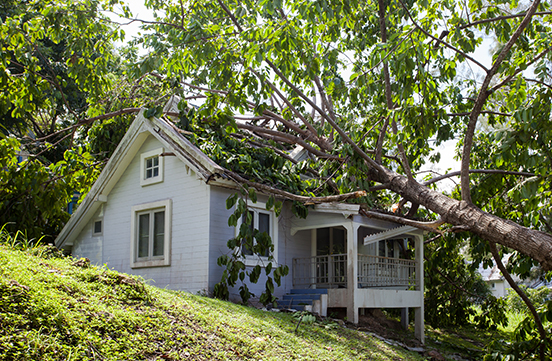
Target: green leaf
(231,201)
(270,203)
(253,195)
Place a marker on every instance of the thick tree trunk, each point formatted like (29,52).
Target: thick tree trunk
(535,244)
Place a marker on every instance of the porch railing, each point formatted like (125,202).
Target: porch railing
(373,271)
(323,271)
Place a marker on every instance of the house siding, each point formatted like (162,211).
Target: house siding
(88,246)
(288,247)
(189,235)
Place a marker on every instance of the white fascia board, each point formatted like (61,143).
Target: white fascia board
(115,167)
(390,233)
(346,209)
(184,149)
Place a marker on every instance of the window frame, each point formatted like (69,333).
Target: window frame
(150,208)
(256,208)
(143,159)
(100,233)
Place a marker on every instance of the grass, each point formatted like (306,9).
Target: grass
(514,319)
(58,308)
(470,342)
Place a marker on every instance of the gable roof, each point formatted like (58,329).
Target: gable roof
(166,133)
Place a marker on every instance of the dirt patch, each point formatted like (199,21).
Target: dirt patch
(375,321)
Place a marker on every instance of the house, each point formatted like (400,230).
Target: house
(158,210)
(494,279)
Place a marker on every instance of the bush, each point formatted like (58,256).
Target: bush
(34,196)
(538,296)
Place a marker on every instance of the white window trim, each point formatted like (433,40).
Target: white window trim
(254,260)
(166,261)
(94,233)
(159,177)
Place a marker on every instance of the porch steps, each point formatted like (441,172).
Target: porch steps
(299,298)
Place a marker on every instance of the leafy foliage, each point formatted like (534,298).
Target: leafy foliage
(258,244)
(453,287)
(537,296)
(54,63)
(34,196)
(527,343)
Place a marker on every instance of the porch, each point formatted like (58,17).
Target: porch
(385,258)
(330,271)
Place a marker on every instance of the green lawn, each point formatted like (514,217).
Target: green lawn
(51,308)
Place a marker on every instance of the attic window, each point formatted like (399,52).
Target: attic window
(151,167)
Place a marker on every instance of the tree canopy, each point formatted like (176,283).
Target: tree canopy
(369,88)
(372,88)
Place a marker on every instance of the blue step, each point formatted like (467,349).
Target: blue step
(301,296)
(298,298)
(309,291)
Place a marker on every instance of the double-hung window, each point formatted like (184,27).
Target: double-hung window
(151,167)
(151,234)
(265,222)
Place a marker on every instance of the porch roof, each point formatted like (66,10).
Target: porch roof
(347,215)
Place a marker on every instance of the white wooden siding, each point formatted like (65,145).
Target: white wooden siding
(190,234)
(88,246)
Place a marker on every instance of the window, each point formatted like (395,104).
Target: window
(151,167)
(388,248)
(264,221)
(151,234)
(98,228)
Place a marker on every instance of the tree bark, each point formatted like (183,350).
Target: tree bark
(523,296)
(535,244)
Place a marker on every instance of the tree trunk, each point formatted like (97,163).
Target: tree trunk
(535,244)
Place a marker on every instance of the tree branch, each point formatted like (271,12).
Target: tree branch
(426,226)
(293,109)
(441,41)
(519,70)
(93,119)
(480,101)
(504,17)
(523,296)
(291,139)
(293,197)
(482,112)
(234,20)
(484,171)
(381,138)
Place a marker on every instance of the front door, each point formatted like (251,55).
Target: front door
(331,257)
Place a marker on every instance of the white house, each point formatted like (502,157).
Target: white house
(158,210)
(494,279)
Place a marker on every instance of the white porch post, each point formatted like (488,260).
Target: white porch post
(313,254)
(419,311)
(352,274)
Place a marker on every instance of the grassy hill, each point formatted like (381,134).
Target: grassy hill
(59,308)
